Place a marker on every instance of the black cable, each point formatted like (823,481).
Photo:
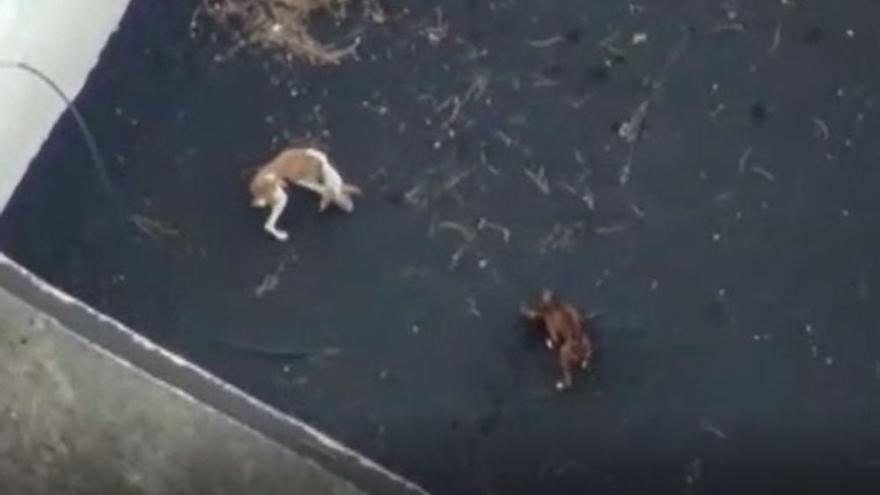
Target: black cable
(97,160)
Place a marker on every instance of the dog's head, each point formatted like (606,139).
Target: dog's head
(547,304)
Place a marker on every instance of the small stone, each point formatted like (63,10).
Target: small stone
(639,38)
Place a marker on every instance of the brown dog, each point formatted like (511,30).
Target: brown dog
(305,167)
(562,324)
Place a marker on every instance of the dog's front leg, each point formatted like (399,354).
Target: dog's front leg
(279,201)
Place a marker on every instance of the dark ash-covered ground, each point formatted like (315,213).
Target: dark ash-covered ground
(730,238)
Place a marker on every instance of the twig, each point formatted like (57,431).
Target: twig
(539,178)
(777,38)
(504,231)
(468,234)
(822,129)
(546,42)
(630,129)
(730,27)
(744,159)
(152,227)
(611,229)
(472,307)
(763,172)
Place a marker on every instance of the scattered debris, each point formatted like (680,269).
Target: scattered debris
(437,32)
(472,308)
(630,129)
(764,173)
(424,192)
(153,228)
(456,103)
(278,26)
(539,177)
(744,160)
(466,233)
(822,129)
(734,27)
(693,472)
(455,259)
(561,237)
(611,229)
(639,38)
(777,38)
(713,430)
(504,231)
(717,111)
(271,280)
(546,42)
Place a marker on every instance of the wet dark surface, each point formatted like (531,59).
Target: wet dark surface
(731,244)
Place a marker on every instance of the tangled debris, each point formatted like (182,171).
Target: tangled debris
(278,26)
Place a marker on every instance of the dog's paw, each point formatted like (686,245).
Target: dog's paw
(280,235)
(585,365)
(560,385)
(549,343)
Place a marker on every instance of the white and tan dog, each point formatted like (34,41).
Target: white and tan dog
(304,167)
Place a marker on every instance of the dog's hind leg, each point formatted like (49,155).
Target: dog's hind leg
(567,363)
(312,186)
(279,201)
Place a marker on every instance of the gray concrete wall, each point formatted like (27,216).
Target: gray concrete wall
(76,420)
(89,406)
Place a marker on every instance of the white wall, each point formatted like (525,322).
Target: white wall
(63,39)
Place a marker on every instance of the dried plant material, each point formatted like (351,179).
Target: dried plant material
(630,129)
(455,103)
(438,31)
(426,191)
(764,173)
(472,307)
(561,237)
(777,38)
(153,228)
(272,279)
(539,178)
(611,229)
(504,231)
(373,11)
(465,232)
(278,26)
(735,27)
(546,42)
(744,159)
(822,129)
(455,259)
